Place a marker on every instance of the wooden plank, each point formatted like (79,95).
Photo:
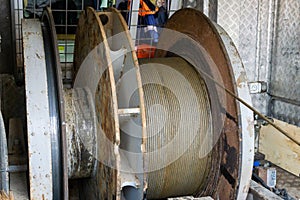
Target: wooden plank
(279,149)
(18,186)
(259,192)
(4,196)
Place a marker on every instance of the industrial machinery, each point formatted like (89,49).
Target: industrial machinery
(169,126)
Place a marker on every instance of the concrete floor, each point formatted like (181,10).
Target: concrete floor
(18,186)
(284,180)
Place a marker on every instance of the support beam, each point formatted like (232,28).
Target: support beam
(258,192)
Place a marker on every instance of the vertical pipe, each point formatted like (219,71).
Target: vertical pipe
(213,10)
(134,18)
(175,5)
(206,7)
(3,158)
(13,38)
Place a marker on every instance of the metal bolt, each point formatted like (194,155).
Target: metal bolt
(45,133)
(47,175)
(32,134)
(34,176)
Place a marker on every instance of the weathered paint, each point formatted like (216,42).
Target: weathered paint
(37,107)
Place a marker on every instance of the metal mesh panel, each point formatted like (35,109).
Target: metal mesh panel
(66,14)
(18,16)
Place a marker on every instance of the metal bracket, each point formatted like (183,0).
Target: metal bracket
(4,179)
(258,87)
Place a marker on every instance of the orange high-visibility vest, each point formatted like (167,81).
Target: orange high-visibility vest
(144,9)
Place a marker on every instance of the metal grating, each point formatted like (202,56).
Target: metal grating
(229,17)
(246,22)
(66,14)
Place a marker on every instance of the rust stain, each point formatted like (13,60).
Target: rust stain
(241,81)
